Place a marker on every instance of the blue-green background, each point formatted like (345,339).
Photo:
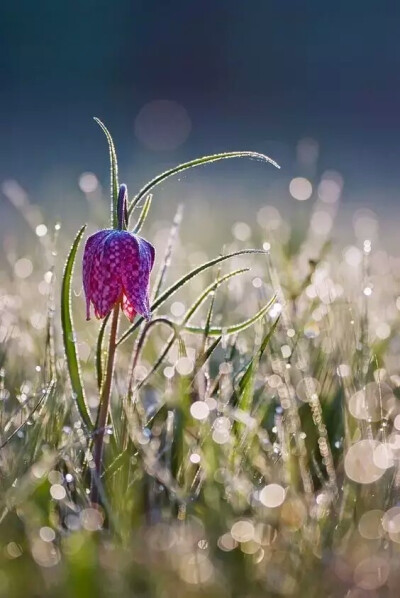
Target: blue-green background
(253,75)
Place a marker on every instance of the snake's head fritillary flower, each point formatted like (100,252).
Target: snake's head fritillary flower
(116,269)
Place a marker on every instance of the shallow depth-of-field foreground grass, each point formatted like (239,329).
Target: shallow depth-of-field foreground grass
(253,442)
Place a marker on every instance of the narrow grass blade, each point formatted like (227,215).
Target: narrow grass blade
(177,285)
(228,330)
(247,391)
(192,310)
(139,348)
(68,331)
(210,312)
(168,252)
(143,214)
(197,162)
(164,352)
(114,173)
(99,351)
(246,384)
(186,318)
(247,374)
(50,352)
(204,357)
(45,395)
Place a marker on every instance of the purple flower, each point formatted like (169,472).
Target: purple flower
(116,269)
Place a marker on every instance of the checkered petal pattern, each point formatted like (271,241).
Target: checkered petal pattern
(116,268)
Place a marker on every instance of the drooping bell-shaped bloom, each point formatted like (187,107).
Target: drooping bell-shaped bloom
(116,269)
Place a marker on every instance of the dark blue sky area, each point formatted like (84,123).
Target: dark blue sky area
(257,74)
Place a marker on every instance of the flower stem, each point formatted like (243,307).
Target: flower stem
(105,394)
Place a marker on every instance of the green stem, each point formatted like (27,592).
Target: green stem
(104,406)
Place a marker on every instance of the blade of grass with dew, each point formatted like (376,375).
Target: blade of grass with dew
(158,285)
(68,332)
(202,359)
(228,330)
(246,384)
(177,285)
(99,351)
(178,436)
(50,355)
(247,374)
(203,296)
(197,162)
(18,415)
(200,380)
(168,252)
(210,312)
(28,483)
(138,349)
(114,173)
(159,360)
(214,331)
(116,464)
(190,312)
(51,308)
(45,394)
(143,214)
(211,332)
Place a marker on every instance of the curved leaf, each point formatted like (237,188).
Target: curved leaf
(68,331)
(228,330)
(212,287)
(114,173)
(143,214)
(186,318)
(177,285)
(197,162)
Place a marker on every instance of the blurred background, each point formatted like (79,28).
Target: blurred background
(315,85)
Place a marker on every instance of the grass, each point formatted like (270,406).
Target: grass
(253,440)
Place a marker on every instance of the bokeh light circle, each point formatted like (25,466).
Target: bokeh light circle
(272,495)
(300,188)
(359,462)
(162,125)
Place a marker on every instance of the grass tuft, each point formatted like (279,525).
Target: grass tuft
(252,444)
